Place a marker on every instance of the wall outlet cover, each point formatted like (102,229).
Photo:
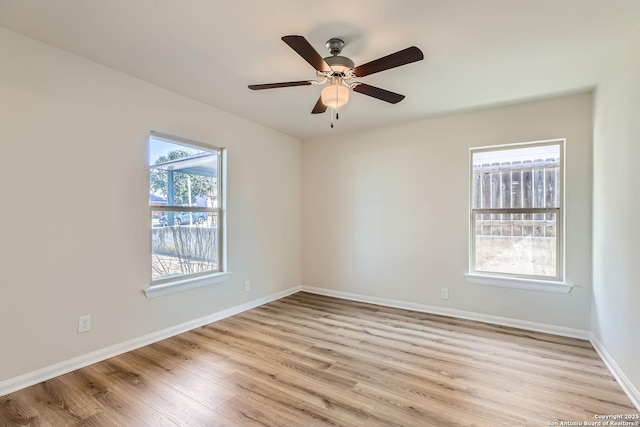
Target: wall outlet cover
(84,324)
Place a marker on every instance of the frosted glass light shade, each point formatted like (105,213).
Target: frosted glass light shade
(335,96)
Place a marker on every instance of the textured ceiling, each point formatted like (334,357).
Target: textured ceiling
(477,52)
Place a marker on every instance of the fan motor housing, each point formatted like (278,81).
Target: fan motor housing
(339,64)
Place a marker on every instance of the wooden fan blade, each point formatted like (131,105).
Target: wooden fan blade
(308,53)
(319,107)
(277,85)
(402,57)
(378,93)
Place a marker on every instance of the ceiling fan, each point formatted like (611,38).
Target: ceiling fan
(339,71)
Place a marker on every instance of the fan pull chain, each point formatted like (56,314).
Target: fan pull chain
(337,98)
(337,115)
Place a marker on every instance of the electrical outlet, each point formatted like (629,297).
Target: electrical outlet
(247,286)
(444,293)
(84,323)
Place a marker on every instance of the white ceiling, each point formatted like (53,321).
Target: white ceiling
(477,52)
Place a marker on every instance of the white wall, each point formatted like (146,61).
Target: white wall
(615,313)
(75,238)
(385,211)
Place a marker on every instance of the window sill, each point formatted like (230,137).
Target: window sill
(518,283)
(185,284)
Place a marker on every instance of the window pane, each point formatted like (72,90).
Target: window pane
(511,244)
(182,176)
(525,177)
(184,243)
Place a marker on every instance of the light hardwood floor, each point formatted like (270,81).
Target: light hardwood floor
(309,360)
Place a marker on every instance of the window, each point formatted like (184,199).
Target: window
(185,204)
(516,211)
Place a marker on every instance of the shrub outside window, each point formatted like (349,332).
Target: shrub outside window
(516,210)
(184,203)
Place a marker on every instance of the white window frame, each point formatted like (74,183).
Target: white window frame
(519,281)
(172,285)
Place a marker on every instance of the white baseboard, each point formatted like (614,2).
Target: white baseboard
(460,314)
(623,380)
(48,372)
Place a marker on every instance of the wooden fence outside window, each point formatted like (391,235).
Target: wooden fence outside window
(516,185)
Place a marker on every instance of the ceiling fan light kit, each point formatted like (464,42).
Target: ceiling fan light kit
(338,71)
(336,94)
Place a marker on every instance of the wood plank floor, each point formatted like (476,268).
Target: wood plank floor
(309,360)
